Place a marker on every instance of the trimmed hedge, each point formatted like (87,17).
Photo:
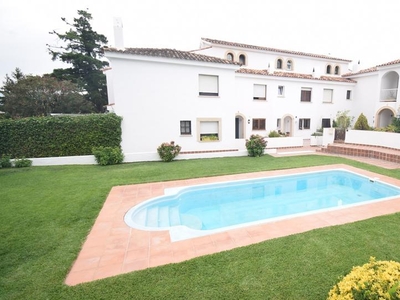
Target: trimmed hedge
(59,136)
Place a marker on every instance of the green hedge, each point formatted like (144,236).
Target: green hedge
(59,136)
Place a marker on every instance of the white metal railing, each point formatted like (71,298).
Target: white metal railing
(388,95)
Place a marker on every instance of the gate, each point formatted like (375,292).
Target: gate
(340,134)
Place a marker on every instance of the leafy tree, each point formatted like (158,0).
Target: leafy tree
(83,50)
(8,84)
(362,123)
(343,120)
(39,96)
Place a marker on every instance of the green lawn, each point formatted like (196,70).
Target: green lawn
(46,213)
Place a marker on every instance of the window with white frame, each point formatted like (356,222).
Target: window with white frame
(281,90)
(304,124)
(186,127)
(258,124)
(348,95)
(209,129)
(328,95)
(208,85)
(305,95)
(260,92)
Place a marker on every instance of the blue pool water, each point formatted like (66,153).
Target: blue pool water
(220,206)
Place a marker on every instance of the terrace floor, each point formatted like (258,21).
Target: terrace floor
(113,248)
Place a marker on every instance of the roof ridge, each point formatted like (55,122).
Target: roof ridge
(171,53)
(241,45)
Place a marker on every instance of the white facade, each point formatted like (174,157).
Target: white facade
(210,105)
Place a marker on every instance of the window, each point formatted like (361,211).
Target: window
(289,65)
(242,59)
(328,95)
(278,123)
(186,127)
(281,90)
(208,85)
(348,95)
(229,56)
(209,129)
(304,124)
(258,124)
(305,95)
(337,70)
(260,92)
(279,64)
(326,123)
(328,69)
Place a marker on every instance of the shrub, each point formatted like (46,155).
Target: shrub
(59,136)
(273,134)
(22,163)
(373,280)
(168,151)
(362,123)
(256,145)
(108,155)
(5,161)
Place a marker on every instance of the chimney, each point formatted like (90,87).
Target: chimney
(356,67)
(118,33)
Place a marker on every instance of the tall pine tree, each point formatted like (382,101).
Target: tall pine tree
(83,49)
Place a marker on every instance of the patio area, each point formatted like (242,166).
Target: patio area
(113,248)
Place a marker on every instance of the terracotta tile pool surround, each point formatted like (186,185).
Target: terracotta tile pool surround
(113,248)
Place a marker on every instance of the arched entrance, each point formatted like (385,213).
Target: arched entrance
(287,127)
(384,117)
(239,126)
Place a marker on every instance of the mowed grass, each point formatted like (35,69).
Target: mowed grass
(46,213)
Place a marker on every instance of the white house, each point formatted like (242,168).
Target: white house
(210,100)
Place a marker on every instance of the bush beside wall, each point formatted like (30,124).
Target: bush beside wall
(59,136)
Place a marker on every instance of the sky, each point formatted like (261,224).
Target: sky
(365,30)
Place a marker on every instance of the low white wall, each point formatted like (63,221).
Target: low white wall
(64,160)
(328,136)
(283,142)
(153,156)
(373,138)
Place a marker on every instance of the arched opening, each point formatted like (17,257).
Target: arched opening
(279,63)
(287,127)
(384,117)
(337,70)
(389,86)
(229,56)
(289,65)
(239,127)
(242,59)
(328,69)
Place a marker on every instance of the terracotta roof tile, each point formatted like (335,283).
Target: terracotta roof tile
(171,53)
(240,45)
(369,70)
(393,62)
(373,69)
(294,75)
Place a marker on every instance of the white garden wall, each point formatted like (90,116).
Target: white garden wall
(373,138)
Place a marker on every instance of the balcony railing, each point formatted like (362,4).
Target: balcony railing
(388,95)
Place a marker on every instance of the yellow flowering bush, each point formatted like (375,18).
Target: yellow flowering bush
(378,280)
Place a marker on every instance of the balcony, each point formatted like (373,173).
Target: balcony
(388,95)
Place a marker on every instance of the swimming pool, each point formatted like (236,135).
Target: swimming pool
(199,210)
